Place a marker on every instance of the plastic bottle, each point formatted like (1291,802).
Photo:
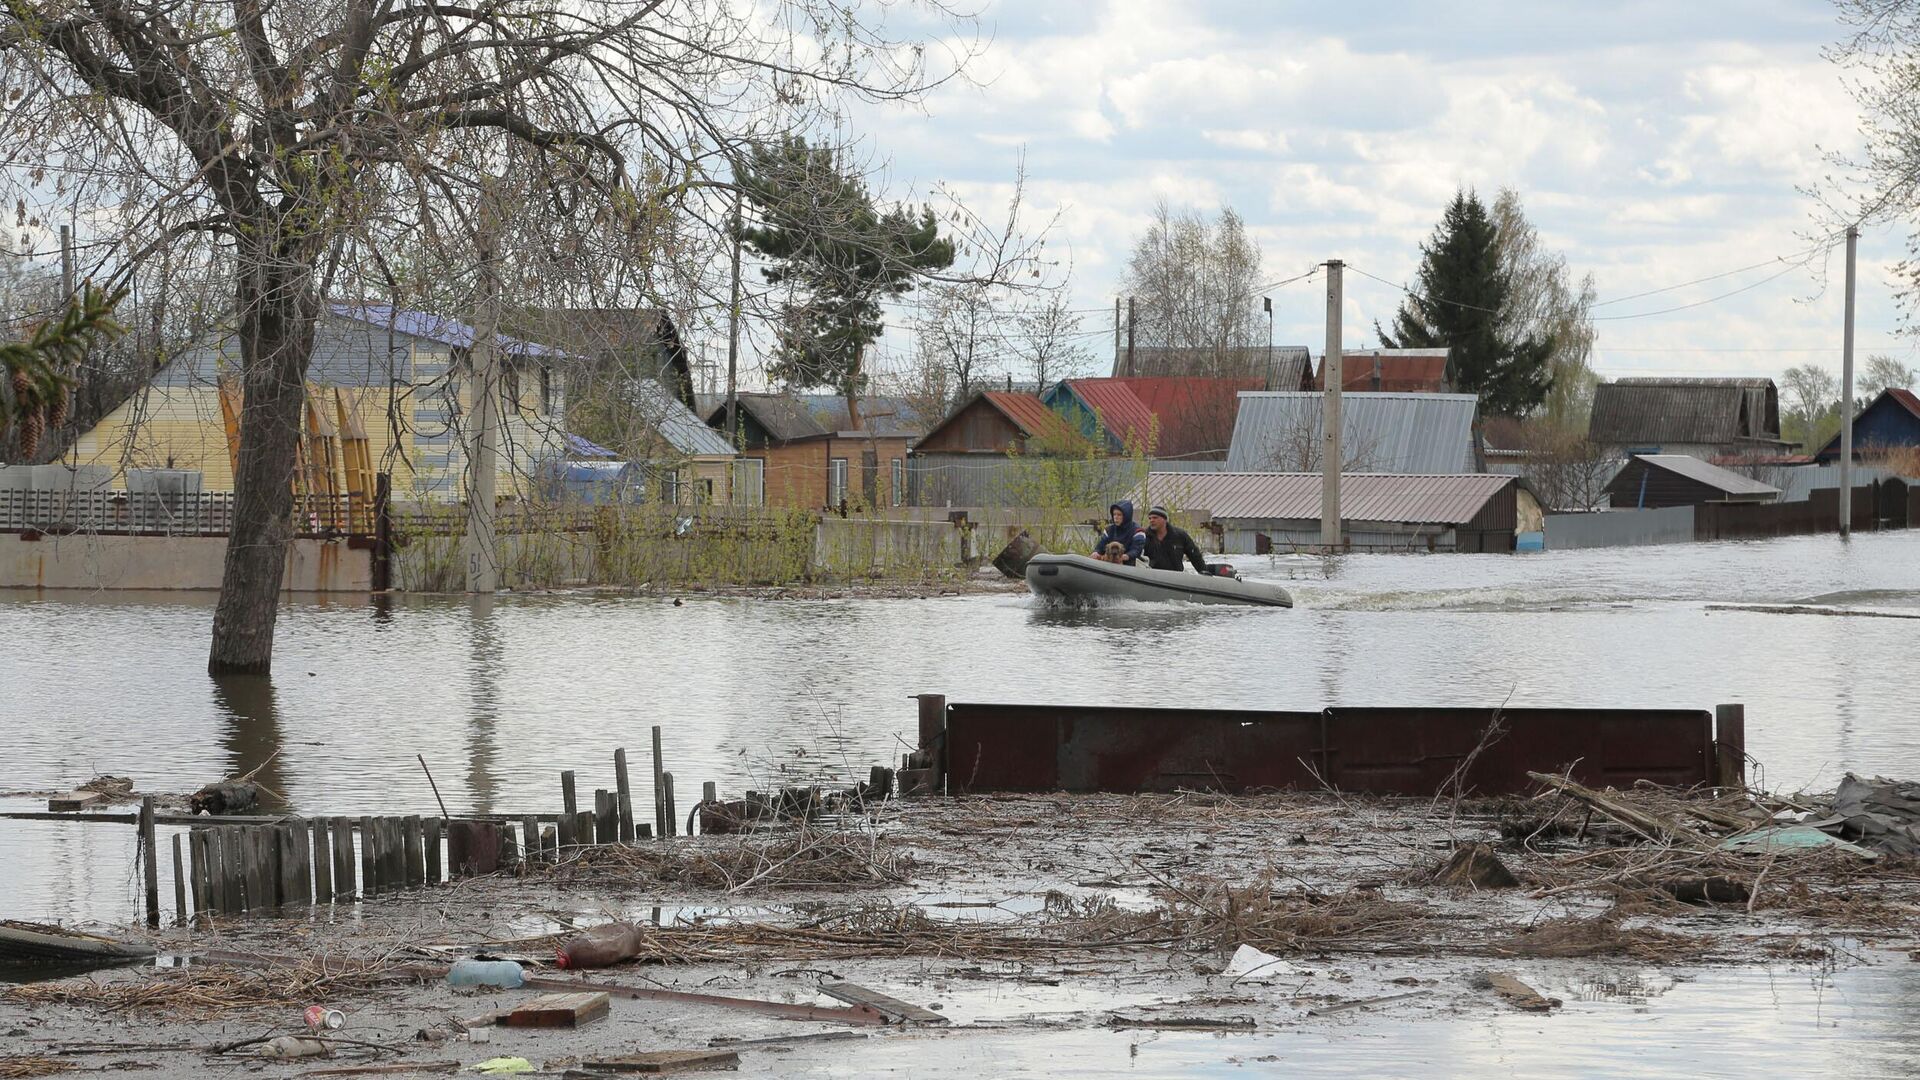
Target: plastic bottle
(292,1046)
(501,973)
(601,946)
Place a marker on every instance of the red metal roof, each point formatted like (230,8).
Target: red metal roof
(1449,500)
(1188,416)
(1029,414)
(1907,399)
(1406,371)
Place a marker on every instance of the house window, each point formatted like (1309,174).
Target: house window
(749,482)
(899,481)
(836,481)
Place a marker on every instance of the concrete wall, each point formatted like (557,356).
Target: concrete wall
(1620,528)
(105,561)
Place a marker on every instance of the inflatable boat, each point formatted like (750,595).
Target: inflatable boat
(1078,579)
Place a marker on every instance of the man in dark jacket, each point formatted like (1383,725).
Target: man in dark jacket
(1167,544)
(1124,530)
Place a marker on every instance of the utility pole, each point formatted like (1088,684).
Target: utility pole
(1130,321)
(1330,416)
(1116,336)
(66,261)
(481,547)
(1267,302)
(733,337)
(1846,396)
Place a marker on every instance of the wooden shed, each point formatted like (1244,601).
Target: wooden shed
(1651,481)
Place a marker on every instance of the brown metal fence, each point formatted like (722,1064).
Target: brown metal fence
(1819,513)
(145,513)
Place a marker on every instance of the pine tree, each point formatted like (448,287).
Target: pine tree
(822,234)
(1462,296)
(39,370)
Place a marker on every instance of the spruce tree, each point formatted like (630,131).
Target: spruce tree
(1461,297)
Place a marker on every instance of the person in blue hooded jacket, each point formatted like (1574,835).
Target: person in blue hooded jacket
(1124,531)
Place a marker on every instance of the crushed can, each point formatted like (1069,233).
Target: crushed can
(321,1018)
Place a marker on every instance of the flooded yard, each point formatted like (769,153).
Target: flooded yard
(500,695)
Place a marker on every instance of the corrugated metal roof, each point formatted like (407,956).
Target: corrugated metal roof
(880,414)
(1122,414)
(1385,433)
(1281,367)
(1029,414)
(1265,496)
(1409,371)
(676,424)
(1655,412)
(784,416)
(1707,473)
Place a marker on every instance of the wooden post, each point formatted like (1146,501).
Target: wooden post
(509,851)
(411,836)
(550,844)
(431,840)
(583,828)
(709,793)
(563,830)
(343,883)
(150,860)
(568,804)
(1730,746)
(179,884)
(673,819)
(606,817)
(530,832)
(369,865)
(259,868)
(659,803)
(322,863)
(625,791)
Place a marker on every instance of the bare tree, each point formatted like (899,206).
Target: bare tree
(1883,372)
(1296,446)
(296,142)
(1567,470)
(1812,393)
(1545,303)
(961,331)
(1049,345)
(1195,284)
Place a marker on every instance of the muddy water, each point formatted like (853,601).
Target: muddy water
(500,695)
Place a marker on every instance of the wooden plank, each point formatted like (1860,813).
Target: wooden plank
(530,834)
(150,861)
(179,884)
(233,891)
(299,851)
(369,865)
(854,994)
(75,800)
(411,837)
(583,828)
(606,822)
(664,1061)
(430,841)
(673,816)
(623,790)
(659,805)
(322,863)
(343,884)
(561,1010)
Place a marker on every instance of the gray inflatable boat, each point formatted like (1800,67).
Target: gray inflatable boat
(1078,579)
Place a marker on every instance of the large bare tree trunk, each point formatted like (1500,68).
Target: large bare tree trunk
(277,309)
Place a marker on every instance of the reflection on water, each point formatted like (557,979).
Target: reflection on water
(251,734)
(500,695)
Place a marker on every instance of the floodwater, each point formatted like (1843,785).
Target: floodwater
(500,695)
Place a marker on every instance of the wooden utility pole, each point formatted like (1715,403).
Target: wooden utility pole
(1130,321)
(66,262)
(1116,337)
(733,337)
(1846,396)
(1330,416)
(482,545)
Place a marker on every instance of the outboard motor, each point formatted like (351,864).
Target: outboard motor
(1221,570)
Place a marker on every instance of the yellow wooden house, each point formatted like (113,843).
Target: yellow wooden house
(388,391)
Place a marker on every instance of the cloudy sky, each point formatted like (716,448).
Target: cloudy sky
(1653,143)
